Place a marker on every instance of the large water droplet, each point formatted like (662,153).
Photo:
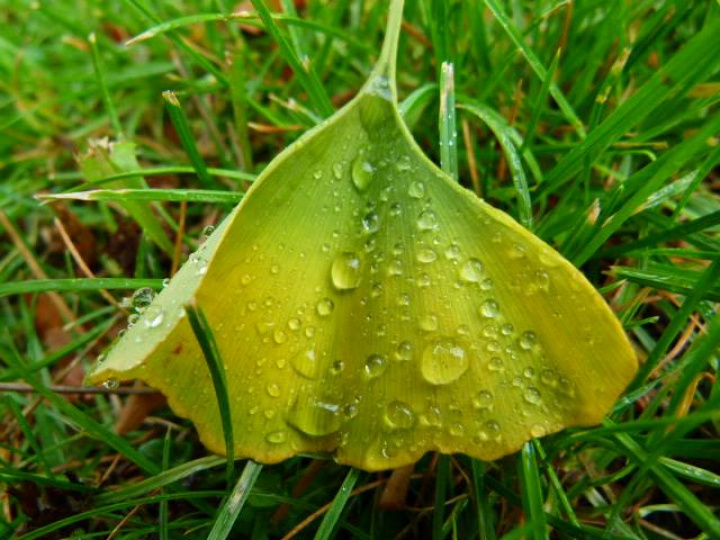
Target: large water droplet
(399,415)
(489,309)
(324,307)
(315,418)
(416,189)
(443,362)
(346,271)
(375,365)
(273,390)
(306,364)
(472,271)
(362,173)
(427,221)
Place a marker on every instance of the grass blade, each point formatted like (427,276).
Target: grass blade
(169,195)
(503,133)
(235,502)
(448,124)
(83,421)
(102,83)
(306,75)
(330,521)
(180,121)
(532,495)
(206,340)
(536,65)
(76,285)
(442,479)
(692,63)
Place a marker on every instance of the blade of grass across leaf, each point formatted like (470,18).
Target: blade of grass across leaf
(76,285)
(330,521)
(206,340)
(235,502)
(171,195)
(532,495)
(536,65)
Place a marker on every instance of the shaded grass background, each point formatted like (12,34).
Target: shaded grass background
(594,122)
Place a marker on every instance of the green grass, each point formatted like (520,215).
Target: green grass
(594,122)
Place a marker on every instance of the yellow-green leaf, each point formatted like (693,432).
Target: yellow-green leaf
(367,306)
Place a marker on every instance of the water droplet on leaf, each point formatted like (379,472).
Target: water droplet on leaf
(362,173)
(416,189)
(443,362)
(346,271)
(399,415)
(472,271)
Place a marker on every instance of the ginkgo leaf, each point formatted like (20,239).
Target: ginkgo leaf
(367,306)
